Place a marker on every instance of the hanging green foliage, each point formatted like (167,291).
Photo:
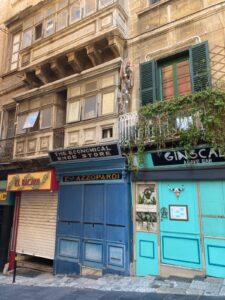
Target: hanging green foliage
(184,121)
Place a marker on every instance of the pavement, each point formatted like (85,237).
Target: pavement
(34,285)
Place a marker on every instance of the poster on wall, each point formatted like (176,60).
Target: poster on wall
(178,212)
(146,208)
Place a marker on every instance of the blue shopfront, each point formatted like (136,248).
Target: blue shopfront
(93,221)
(179,212)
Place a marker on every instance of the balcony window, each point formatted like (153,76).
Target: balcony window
(30,120)
(73,111)
(90,7)
(108,103)
(15,51)
(75,12)
(90,107)
(20,122)
(49,26)
(27,38)
(46,118)
(179,74)
(38,31)
(103,3)
(62,19)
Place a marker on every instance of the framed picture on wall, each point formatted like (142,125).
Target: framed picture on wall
(178,212)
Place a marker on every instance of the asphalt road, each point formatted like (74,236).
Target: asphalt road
(18,292)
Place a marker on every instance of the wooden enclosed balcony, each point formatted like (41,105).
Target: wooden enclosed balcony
(89,41)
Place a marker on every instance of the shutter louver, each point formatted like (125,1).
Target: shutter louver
(200,71)
(147,82)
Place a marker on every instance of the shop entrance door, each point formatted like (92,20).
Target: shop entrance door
(146,227)
(179,224)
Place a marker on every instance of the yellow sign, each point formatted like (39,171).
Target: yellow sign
(30,181)
(3,196)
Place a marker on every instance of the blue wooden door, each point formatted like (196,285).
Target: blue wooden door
(146,229)
(212,195)
(179,224)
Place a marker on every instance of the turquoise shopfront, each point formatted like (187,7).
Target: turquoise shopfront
(179,213)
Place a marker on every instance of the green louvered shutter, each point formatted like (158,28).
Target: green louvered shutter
(199,67)
(147,82)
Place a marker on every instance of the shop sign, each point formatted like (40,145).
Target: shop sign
(91,152)
(92,177)
(31,181)
(3,196)
(182,157)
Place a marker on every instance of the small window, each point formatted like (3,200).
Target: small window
(31,120)
(90,107)
(27,38)
(49,27)
(62,19)
(75,12)
(73,111)
(107,133)
(90,6)
(108,103)
(46,118)
(38,31)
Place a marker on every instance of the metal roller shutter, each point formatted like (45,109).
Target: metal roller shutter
(37,224)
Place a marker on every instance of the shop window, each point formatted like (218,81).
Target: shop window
(108,103)
(176,75)
(49,26)
(90,6)
(75,12)
(90,107)
(73,111)
(46,118)
(62,19)
(15,51)
(38,31)
(27,38)
(107,133)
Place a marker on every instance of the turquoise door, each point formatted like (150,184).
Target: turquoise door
(179,224)
(146,228)
(212,195)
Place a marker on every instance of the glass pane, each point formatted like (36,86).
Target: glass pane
(103,3)
(167,82)
(16,48)
(90,6)
(50,27)
(16,38)
(90,110)
(20,122)
(75,12)
(13,66)
(49,11)
(30,120)
(46,117)
(38,31)
(62,4)
(15,57)
(62,19)
(27,38)
(73,111)
(183,78)
(108,103)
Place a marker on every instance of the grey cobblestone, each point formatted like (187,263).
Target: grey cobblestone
(149,284)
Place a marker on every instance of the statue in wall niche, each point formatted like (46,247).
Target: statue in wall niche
(126,79)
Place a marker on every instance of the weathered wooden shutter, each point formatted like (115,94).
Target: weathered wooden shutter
(147,82)
(199,67)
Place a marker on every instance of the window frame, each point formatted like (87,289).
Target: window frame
(69,103)
(96,106)
(16,52)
